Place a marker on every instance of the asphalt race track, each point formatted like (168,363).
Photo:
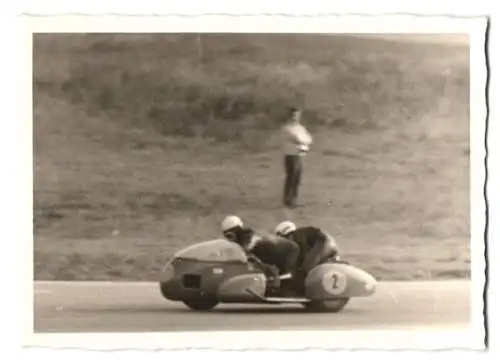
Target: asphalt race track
(139,307)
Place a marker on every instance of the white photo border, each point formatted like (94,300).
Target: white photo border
(414,338)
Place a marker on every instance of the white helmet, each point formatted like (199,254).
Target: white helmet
(285,228)
(231,222)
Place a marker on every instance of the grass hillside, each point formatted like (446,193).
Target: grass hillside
(143,143)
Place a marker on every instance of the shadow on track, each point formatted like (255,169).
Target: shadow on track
(226,310)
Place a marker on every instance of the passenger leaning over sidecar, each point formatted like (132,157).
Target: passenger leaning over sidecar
(268,252)
(316,246)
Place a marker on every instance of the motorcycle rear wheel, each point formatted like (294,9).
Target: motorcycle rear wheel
(201,304)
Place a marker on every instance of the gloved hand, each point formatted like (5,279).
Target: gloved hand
(272,273)
(274,281)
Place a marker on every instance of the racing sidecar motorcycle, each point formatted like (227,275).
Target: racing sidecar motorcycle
(218,271)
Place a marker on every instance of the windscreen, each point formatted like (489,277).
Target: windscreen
(218,250)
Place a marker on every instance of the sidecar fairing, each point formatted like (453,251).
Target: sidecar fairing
(210,272)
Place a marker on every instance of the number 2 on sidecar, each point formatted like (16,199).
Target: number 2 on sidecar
(218,271)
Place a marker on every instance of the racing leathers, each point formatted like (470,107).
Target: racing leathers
(315,247)
(267,251)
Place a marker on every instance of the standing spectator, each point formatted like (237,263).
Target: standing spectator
(296,143)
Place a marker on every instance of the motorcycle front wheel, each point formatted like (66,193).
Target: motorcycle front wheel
(327,306)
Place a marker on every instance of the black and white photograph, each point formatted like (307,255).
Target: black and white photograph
(245,180)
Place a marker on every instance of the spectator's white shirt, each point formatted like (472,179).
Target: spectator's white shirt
(296,139)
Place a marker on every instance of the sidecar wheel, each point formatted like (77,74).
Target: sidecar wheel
(327,306)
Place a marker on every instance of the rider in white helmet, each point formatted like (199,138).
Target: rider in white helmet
(271,251)
(315,245)
(284,228)
(232,228)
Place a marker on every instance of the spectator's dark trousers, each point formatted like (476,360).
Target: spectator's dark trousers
(293,171)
